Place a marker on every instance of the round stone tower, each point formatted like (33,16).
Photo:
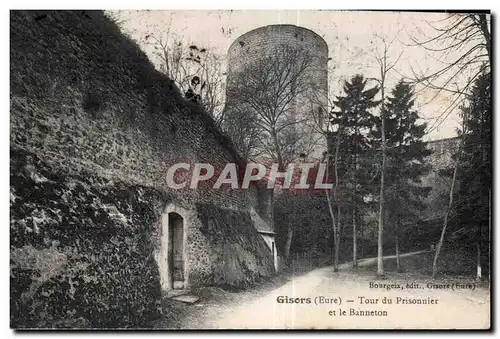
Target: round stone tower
(251,47)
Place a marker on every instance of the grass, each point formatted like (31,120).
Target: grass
(450,263)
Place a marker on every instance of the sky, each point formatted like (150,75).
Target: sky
(353,40)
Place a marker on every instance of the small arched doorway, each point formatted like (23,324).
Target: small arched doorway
(176,252)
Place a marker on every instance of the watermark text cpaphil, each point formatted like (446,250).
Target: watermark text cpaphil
(301,176)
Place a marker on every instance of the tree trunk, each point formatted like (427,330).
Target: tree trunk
(288,243)
(484,191)
(288,240)
(274,135)
(354,208)
(445,222)
(486,34)
(336,225)
(337,240)
(397,254)
(479,224)
(396,229)
(362,237)
(380,251)
(354,239)
(479,268)
(337,229)
(332,215)
(489,234)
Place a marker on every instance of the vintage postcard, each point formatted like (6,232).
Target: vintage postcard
(257,169)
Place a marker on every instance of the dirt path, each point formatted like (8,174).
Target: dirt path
(261,310)
(371,261)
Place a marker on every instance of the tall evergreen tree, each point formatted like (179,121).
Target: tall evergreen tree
(354,121)
(406,154)
(475,170)
(471,202)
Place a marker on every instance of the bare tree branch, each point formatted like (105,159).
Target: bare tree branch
(271,89)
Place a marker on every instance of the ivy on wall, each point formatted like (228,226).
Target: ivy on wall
(81,249)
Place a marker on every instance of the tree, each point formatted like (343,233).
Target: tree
(267,93)
(196,71)
(239,123)
(473,167)
(461,47)
(269,90)
(474,208)
(354,121)
(448,211)
(295,208)
(322,123)
(406,153)
(385,66)
(335,221)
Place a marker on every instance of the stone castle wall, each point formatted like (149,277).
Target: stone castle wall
(252,45)
(93,129)
(440,159)
(442,152)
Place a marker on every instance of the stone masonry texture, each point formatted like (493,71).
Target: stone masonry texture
(93,129)
(248,49)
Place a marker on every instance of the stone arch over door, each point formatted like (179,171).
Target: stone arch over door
(173,261)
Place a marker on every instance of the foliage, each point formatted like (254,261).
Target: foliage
(81,251)
(350,142)
(239,123)
(476,158)
(267,91)
(196,71)
(461,46)
(295,210)
(406,153)
(353,122)
(472,205)
(242,257)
